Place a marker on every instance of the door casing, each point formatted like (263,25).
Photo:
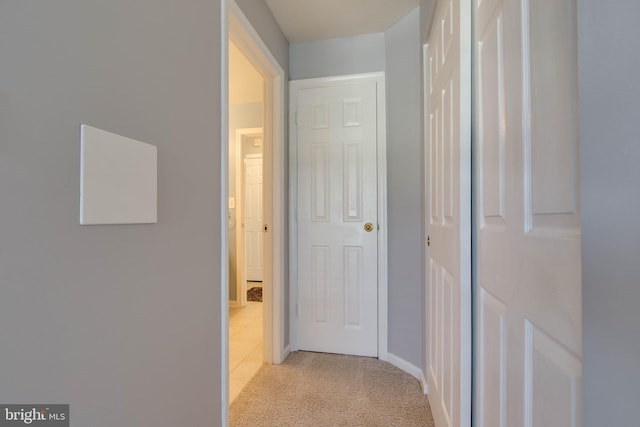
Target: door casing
(294,86)
(236,27)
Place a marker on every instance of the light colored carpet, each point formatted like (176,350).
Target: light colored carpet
(317,389)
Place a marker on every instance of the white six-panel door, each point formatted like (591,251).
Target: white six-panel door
(528,298)
(253,218)
(336,198)
(449,207)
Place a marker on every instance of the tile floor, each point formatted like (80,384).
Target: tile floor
(245,345)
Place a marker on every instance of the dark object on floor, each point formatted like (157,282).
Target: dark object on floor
(254,294)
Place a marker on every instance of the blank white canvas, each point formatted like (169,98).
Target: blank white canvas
(118,179)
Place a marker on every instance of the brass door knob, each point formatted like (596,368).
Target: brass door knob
(368,227)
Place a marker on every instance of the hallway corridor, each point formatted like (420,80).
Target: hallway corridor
(319,389)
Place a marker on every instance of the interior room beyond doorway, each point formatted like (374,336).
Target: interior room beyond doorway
(245,219)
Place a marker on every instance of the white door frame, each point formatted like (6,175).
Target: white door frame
(241,283)
(236,27)
(294,86)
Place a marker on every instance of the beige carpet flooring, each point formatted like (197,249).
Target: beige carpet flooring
(317,389)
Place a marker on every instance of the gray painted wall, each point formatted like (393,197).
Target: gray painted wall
(350,55)
(609,66)
(400,45)
(120,321)
(403,185)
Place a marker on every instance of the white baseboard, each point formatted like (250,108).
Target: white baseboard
(424,383)
(409,368)
(285,353)
(281,356)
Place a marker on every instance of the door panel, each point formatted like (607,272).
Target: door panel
(337,195)
(492,372)
(491,120)
(552,381)
(550,99)
(528,369)
(449,286)
(253,219)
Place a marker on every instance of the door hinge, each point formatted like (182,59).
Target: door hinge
(428,240)
(266,228)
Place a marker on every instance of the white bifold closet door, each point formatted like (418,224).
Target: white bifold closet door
(528,289)
(448,115)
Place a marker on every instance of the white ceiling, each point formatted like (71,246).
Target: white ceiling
(310,20)
(245,83)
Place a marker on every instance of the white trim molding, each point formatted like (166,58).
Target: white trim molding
(286,352)
(424,383)
(409,368)
(224,219)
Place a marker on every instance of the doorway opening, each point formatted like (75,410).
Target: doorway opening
(245,220)
(246,206)
(260,140)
